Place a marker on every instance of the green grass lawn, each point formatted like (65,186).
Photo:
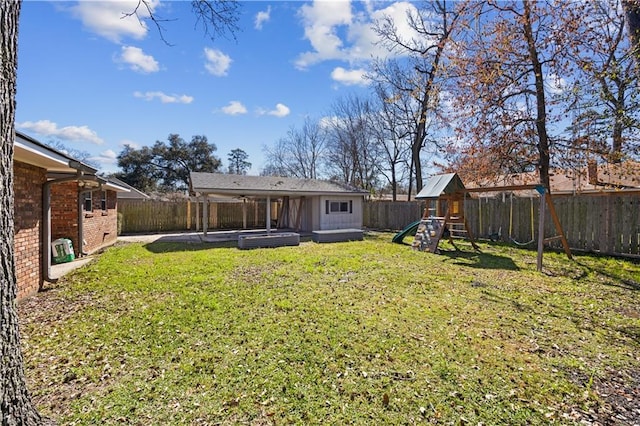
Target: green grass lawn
(365,332)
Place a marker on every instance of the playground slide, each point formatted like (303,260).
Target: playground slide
(408,230)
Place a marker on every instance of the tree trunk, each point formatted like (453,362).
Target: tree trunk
(541,107)
(15,403)
(632,12)
(618,125)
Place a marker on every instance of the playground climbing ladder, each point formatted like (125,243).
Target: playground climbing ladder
(433,228)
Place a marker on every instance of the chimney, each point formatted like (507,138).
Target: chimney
(592,172)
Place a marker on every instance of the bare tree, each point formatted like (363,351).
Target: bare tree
(606,97)
(393,135)
(352,152)
(16,407)
(434,24)
(299,153)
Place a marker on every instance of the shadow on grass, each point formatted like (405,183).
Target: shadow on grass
(616,276)
(479,260)
(168,245)
(160,246)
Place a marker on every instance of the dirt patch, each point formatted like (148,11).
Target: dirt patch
(619,395)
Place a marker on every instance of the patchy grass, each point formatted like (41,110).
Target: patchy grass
(348,333)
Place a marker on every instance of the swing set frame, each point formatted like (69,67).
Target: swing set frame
(545,199)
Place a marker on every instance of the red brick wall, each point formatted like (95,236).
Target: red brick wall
(99,226)
(64,212)
(27,186)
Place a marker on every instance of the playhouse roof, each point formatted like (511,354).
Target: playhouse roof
(255,186)
(439,185)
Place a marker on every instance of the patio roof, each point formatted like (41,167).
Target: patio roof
(262,186)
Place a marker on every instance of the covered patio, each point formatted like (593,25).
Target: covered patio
(303,206)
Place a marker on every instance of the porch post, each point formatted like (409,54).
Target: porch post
(205,214)
(197,214)
(268,214)
(244,213)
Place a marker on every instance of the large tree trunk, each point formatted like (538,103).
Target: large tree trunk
(541,107)
(632,12)
(15,404)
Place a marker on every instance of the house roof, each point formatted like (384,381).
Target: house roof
(58,164)
(260,186)
(438,185)
(589,179)
(30,151)
(133,193)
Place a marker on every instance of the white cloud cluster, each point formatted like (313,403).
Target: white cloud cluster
(281,110)
(217,63)
(105,157)
(350,77)
(126,142)
(164,98)
(115,20)
(337,32)
(234,108)
(138,61)
(262,17)
(321,21)
(66,133)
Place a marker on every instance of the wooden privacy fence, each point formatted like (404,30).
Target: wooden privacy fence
(607,223)
(391,215)
(138,216)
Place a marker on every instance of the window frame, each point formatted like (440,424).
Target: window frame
(333,207)
(103,201)
(87,200)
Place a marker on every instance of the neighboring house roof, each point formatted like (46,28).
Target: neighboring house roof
(133,194)
(260,186)
(438,185)
(592,178)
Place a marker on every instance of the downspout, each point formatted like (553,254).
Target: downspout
(46,225)
(81,251)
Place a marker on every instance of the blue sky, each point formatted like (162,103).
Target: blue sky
(96,81)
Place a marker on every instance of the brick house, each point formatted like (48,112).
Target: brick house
(56,196)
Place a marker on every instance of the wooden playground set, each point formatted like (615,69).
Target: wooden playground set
(444,215)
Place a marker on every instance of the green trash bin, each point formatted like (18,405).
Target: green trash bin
(62,249)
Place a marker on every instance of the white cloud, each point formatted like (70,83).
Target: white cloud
(350,77)
(164,98)
(262,17)
(336,33)
(138,60)
(67,133)
(105,157)
(127,142)
(234,108)
(109,18)
(321,20)
(217,62)
(555,84)
(281,110)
